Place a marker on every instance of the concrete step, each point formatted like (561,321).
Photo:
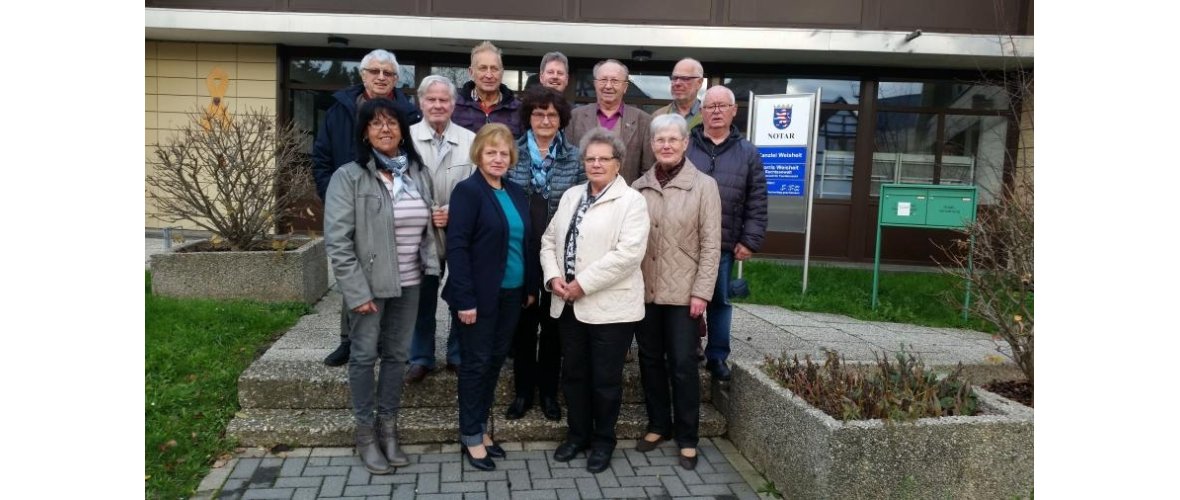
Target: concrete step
(334,427)
(305,384)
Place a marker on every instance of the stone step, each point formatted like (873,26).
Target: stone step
(305,384)
(334,427)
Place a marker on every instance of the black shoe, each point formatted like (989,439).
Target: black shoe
(452,367)
(339,357)
(518,408)
(484,463)
(599,460)
(550,408)
(644,446)
(495,451)
(688,463)
(416,373)
(567,451)
(719,370)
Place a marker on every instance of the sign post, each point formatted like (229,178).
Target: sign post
(784,128)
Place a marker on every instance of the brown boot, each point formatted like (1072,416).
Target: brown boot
(371,456)
(387,437)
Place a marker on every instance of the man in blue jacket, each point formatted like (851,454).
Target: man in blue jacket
(718,149)
(335,144)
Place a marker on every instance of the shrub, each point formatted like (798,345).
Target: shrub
(901,391)
(235,177)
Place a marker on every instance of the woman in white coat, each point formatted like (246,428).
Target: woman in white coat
(590,256)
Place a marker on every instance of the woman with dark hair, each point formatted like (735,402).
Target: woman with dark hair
(376,212)
(494,274)
(547,165)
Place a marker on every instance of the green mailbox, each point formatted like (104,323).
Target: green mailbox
(924,206)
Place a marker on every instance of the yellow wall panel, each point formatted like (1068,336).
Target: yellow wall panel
(149,102)
(257,53)
(231,90)
(150,120)
(151,85)
(240,105)
(177,103)
(149,49)
(254,88)
(256,71)
(173,121)
(177,86)
(186,51)
(204,67)
(150,136)
(180,69)
(149,67)
(217,52)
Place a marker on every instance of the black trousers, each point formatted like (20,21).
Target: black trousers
(536,367)
(667,341)
(592,378)
(484,345)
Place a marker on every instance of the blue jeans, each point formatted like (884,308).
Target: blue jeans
(384,335)
(719,313)
(485,345)
(422,346)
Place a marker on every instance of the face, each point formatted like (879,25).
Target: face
(379,78)
(545,121)
(486,70)
(555,76)
(610,84)
(384,134)
(437,105)
(717,110)
(601,165)
(686,81)
(668,146)
(494,159)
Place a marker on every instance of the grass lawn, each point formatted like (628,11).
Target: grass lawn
(930,299)
(195,351)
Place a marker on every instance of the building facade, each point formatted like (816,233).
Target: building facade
(913,91)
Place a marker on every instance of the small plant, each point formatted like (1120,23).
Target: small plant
(769,488)
(235,177)
(903,390)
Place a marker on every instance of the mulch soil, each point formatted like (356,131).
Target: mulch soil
(257,246)
(1016,390)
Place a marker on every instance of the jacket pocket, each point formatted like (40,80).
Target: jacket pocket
(692,251)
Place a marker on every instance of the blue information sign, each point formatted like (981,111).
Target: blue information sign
(786,170)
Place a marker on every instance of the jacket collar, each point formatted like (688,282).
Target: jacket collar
(686,179)
(422,131)
(615,190)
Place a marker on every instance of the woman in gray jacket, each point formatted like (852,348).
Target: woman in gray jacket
(375,222)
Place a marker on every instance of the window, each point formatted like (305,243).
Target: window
(945,94)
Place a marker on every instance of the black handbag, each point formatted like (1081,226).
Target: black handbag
(738,287)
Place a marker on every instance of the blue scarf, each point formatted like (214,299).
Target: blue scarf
(542,166)
(397,165)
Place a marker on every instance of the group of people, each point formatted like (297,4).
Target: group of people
(565,235)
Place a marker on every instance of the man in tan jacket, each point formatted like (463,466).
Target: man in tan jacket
(629,123)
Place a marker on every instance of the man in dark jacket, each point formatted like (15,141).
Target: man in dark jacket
(335,144)
(718,149)
(484,99)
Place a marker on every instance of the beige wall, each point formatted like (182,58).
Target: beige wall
(1023,177)
(175,85)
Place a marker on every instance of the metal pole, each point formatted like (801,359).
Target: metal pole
(810,179)
(970,273)
(877,260)
(167,238)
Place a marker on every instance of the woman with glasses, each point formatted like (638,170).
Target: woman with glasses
(547,166)
(376,212)
(680,269)
(494,274)
(590,257)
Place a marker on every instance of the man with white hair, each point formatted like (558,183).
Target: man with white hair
(687,77)
(717,148)
(485,99)
(335,143)
(445,150)
(628,122)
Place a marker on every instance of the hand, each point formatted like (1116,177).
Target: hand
(366,308)
(741,252)
(530,301)
(467,317)
(696,307)
(439,216)
(573,291)
(558,285)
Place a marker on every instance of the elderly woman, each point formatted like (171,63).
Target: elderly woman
(680,269)
(494,273)
(376,212)
(590,257)
(547,167)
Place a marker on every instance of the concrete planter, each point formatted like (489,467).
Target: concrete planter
(809,454)
(299,275)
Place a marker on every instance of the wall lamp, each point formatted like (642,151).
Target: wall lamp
(640,55)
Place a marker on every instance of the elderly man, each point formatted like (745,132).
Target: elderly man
(718,149)
(484,99)
(335,144)
(444,147)
(629,123)
(555,71)
(687,77)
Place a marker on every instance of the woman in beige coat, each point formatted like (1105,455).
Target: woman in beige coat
(680,268)
(590,257)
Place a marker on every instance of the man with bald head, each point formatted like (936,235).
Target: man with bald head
(629,123)
(687,77)
(717,148)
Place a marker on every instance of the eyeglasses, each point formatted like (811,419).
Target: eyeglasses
(380,124)
(610,82)
(684,78)
(664,141)
(546,116)
(487,69)
(599,160)
(714,108)
(376,72)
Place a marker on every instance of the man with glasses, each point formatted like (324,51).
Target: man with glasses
(718,149)
(335,143)
(485,99)
(629,123)
(687,77)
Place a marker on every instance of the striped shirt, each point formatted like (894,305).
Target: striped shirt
(411,218)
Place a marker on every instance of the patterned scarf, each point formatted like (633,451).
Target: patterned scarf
(571,238)
(542,167)
(402,183)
